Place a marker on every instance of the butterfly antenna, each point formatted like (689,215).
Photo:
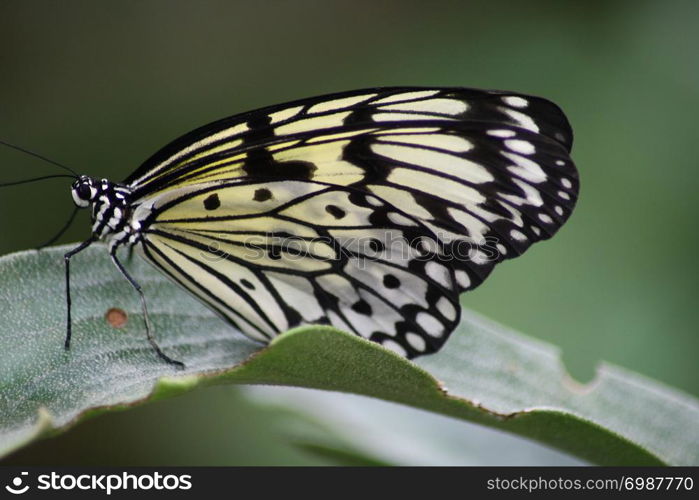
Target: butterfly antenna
(36,155)
(73,175)
(62,231)
(35,179)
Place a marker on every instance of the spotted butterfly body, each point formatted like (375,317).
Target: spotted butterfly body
(369,210)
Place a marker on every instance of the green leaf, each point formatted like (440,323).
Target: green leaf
(491,375)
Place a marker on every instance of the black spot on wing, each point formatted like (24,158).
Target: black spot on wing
(261,164)
(359,153)
(259,130)
(212,202)
(376,245)
(274,253)
(390,281)
(259,121)
(335,211)
(262,194)
(362,307)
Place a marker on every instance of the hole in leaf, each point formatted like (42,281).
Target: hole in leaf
(578,387)
(580,364)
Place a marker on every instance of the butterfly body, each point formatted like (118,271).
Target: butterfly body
(109,205)
(370,210)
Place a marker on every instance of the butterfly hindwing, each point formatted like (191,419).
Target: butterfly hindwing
(321,258)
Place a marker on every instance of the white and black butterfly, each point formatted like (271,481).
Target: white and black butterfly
(369,210)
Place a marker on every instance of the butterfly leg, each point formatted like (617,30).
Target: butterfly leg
(146,320)
(129,254)
(66,259)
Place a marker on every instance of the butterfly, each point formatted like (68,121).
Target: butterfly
(370,210)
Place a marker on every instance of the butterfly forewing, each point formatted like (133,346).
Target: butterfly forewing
(369,210)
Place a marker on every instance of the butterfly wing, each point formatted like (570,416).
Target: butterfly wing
(276,254)
(216,145)
(370,210)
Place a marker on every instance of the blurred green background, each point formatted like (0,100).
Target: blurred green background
(101,85)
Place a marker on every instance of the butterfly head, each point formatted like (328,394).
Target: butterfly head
(84,190)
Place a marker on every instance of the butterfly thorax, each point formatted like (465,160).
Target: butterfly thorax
(110,208)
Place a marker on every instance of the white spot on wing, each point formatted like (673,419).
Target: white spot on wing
(446,308)
(400,219)
(440,106)
(316,123)
(531,195)
(285,114)
(435,160)
(478,257)
(438,273)
(406,117)
(520,146)
(518,235)
(462,278)
(476,228)
(337,104)
(450,142)
(501,133)
(430,324)
(374,201)
(416,342)
(515,101)
(525,168)
(406,96)
(523,120)
(435,185)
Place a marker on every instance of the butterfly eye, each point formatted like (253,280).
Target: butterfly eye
(83,194)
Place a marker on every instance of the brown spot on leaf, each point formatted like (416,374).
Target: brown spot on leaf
(116,318)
